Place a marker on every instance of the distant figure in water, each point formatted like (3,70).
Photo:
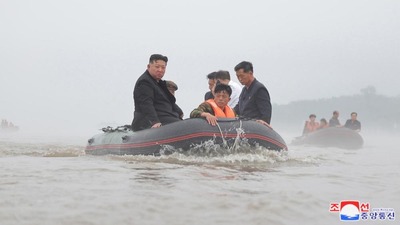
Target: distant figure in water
(353,123)
(4,123)
(310,124)
(323,124)
(334,121)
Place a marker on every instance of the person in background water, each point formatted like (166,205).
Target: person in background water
(154,104)
(353,123)
(310,125)
(334,121)
(172,87)
(254,100)
(225,78)
(212,109)
(323,124)
(4,123)
(211,84)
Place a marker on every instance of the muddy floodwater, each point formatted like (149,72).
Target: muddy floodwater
(51,181)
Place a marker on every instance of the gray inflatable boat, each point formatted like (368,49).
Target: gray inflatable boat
(184,135)
(339,137)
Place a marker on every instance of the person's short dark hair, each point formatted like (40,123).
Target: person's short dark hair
(223,74)
(223,87)
(156,57)
(353,113)
(335,112)
(323,120)
(171,84)
(312,115)
(211,76)
(246,66)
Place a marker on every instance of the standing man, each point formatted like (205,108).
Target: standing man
(254,100)
(225,78)
(334,121)
(154,104)
(353,123)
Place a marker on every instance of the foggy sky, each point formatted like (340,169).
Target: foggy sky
(73,64)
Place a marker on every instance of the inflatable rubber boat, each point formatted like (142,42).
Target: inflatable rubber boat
(339,137)
(184,135)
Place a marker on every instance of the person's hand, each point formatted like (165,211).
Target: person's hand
(210,119)
(156,125)
(264,123)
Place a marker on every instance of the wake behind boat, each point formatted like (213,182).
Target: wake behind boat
(339,137)
(185,135)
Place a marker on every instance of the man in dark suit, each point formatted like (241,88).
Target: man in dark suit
(254,101)
(154,104)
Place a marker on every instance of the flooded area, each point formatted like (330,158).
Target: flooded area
(52,181)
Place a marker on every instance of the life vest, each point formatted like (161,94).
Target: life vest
(218,112)
(311,127)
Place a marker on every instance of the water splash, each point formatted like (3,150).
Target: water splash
(212,149)
(243,158)
(238,155)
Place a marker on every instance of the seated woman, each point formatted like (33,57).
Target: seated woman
(217,107)
(323,124)
(310,125)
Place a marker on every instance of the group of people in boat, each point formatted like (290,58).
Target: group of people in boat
(155,102)
(311,125)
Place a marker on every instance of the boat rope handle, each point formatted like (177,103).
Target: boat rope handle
(222,136)
(225,143)
(237,138)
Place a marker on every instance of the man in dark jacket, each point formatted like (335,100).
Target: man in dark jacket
(154,104)
(254,101)
(353,123)
(334,121)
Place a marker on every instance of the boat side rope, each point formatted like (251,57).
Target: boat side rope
(233,147)
(225,143)
(222,136)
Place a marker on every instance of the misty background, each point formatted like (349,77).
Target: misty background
(70,66)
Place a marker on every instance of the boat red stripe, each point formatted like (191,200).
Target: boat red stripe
(184,137)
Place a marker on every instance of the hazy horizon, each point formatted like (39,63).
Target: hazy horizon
(73,64)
